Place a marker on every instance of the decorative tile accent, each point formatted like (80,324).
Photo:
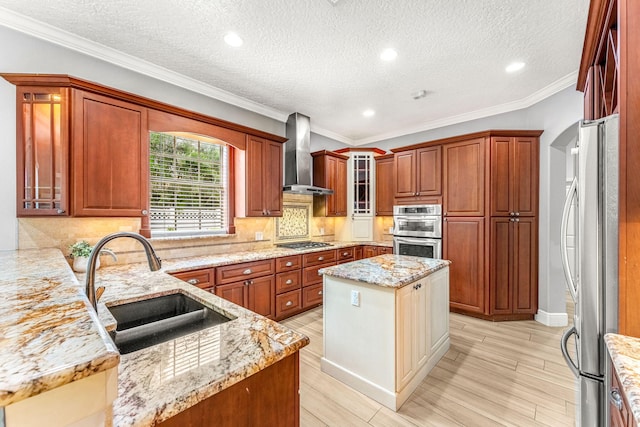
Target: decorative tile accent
(294,223)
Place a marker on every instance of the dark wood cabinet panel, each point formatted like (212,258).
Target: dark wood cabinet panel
(345,254)
(312,295)
(310,275)
(620,415)
(267,398)
(418,174)
(234,292)
(369,251)
(358,252)
(202,278)
(288,263)
(110,157)
(244,270)
(384,185)
(288,304)
(501,176)
(382,250)
(330,171)
(259,178)
(288,281)
(322,257)
(464,178)
(501,290)
(261,296)
(463,245)
(405,173)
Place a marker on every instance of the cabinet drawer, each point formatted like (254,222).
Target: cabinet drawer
(310,275)
(288,281)
(201,278)
(317,258)
(288,263)
(287,303)
(244,270)
(312,295)
(381,250)
(346,254)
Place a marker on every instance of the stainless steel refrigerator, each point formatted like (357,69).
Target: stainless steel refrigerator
(592,201)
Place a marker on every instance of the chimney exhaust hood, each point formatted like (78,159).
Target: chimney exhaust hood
(297,158)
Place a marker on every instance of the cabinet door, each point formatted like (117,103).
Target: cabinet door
(429,171)
(202,278)
(256,171)
(273,178)
(525,265)
(501,176)
(340,188)
(404,171)
(369,251)
(261,296)
(439,307)
(464,167)
(463,245)
(384,186)
(526,159)
(234,292)
(405,356)
(501,265)
(42,151)
(110,157)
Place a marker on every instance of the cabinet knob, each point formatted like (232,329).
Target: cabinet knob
(60,211)
(144,212)
(193,281)
(288,264)
(616,398)
(289,303)
(247,271)
(320,258)
(511,214)
(517,219)
(517,213)
(248,282)
(319,292)
(288,282)
(345,253)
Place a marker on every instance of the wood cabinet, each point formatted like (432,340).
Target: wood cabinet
(514,267)
(42,150)
(514,175)
(249,284)
(619,408)
(330,171)
(385,191)
(412,331)
(358,252)
(369,251)
(110,157)
(463,245)
(269,397)
(464,178)
(203,278)
(259,178)
(418,173)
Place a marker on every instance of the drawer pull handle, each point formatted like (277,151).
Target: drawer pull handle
(193,281)
(248,282)
(247,271)
(320,258)
(288,282)
(319,292)
(345,253)
(288,264)
(616,399)
(289,303)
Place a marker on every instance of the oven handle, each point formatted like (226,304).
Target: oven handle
(427,240)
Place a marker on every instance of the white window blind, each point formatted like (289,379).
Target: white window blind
(189,186)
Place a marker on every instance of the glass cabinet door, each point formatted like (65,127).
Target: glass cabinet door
(42,150)
(362,203)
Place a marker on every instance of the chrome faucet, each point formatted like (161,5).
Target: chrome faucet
(90,287)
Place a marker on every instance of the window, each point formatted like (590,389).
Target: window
(189,185)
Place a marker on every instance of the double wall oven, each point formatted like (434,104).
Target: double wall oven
(417,230)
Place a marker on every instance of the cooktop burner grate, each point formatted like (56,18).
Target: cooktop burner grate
(303,245)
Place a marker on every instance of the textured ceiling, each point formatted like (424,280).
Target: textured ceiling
(323,60)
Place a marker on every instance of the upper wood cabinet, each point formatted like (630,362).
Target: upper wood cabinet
(42,150)
(330,171)
(259,178)
(464,182)
(514,175)
(418,173)
(110,157)
(384,185)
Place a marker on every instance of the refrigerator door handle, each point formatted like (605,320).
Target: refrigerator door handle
(571,284)
(565,353)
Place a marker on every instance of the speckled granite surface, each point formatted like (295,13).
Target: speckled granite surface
(393,271)
(49,336)
(625,355)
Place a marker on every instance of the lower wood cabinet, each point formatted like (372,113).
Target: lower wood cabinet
(288,303)
(312,295)
(267,398)
(202,278)
(412,331)
(463,245)
(620,414)
(255,294)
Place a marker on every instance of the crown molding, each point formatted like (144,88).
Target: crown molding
(547,91)
(44,31)
(329,134)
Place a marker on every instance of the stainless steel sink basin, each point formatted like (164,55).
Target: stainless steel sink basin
(153,321)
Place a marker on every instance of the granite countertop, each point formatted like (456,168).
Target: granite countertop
(49,335)
(392,271)
(625,355)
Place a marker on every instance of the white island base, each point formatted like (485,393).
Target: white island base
(383,341)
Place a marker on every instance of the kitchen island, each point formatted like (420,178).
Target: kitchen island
(386,324)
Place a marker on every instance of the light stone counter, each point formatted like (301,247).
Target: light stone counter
(625,355)
(394,271)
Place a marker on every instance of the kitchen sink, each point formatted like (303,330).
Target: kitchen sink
(156,320)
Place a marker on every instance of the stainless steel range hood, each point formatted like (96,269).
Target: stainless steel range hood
(297,158)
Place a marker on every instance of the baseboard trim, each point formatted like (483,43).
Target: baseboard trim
(552,319)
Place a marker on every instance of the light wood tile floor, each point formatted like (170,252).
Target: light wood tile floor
(502,373)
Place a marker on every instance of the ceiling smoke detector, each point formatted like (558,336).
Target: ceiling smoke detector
(419,94)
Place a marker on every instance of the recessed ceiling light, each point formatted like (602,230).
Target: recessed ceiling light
(514,66)
(368,113)
(232,39)
(388,54)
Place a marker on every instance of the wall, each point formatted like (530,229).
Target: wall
(8,223)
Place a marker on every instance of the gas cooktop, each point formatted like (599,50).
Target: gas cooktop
(303,245)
